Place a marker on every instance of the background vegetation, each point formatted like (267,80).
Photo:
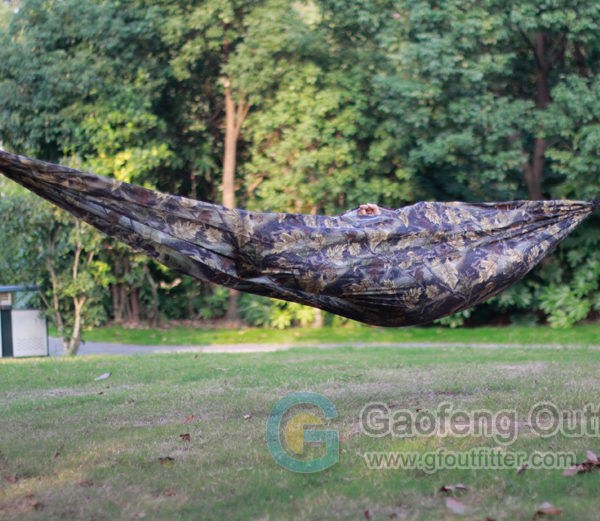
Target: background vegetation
(301,106)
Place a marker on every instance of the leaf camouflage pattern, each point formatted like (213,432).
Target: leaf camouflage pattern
(402,267)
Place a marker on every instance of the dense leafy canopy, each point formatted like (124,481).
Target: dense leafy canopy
(337,103)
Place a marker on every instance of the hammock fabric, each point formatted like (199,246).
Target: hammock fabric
(402,267)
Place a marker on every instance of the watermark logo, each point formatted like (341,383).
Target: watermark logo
(545,419)
(377,420)
(475,458)
(296,435)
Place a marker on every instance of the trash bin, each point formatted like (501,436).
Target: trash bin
(23,331)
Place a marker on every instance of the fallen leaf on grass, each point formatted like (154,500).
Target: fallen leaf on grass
(167,461)
(102,377)
(21,506)
(451,488)
(185,437)
(87,483)
(11,479)
(547,509)
(57,453)
(592,458)
(588,465)
(188,419)
(454,505)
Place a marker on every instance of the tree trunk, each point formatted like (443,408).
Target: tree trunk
(193,188)
(72,345)
(125,304)
(580,59)
(533,169)
(55,305)
(135,305)
(190,309)
(229,155)
(155,311)
(233,315)
(117,305)
(234,118)
(319,319)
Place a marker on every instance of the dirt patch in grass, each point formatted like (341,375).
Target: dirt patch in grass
(47,393)
(61,393)
(22,505)
(518,370)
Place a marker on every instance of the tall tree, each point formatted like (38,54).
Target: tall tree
(81,83)
(45,246)
(486,102)
(471,87)
(316,142)
(229,47)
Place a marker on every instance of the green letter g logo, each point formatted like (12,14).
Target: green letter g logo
(296,435)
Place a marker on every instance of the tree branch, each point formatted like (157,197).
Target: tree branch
(579,55)
(242,112)
(526,38)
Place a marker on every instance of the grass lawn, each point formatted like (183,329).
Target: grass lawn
(584,335)
(72,448)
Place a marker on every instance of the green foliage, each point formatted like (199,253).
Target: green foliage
(44,246)
(574,120)
(349,102)
(261,311)
(215,304)
(314,144)
(81,79)
(19,253)
(519,295)
(286,314)
(456,320)
(566,304)
(461,94)
(256,310)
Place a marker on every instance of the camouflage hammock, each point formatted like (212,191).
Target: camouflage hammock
(402,267)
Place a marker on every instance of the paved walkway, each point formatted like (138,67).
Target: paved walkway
(104,348)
